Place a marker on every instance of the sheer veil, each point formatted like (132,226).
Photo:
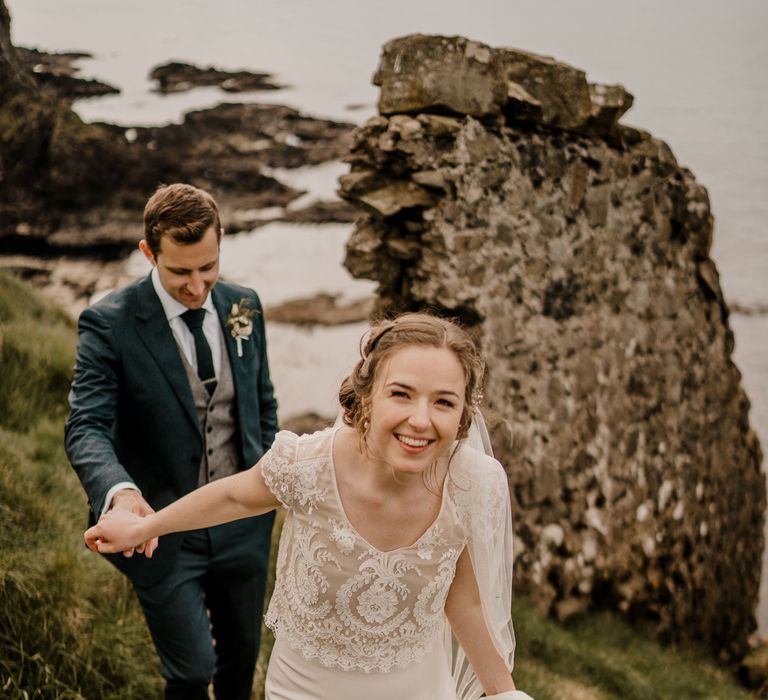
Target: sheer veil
(489,515)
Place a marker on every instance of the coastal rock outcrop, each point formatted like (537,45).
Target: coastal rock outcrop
(50,161)
(59,71)
(176,76)
(68,187)
(500,188)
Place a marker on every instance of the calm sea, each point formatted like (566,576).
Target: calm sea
(698,70)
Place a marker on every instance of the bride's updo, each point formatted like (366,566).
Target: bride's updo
(387,337)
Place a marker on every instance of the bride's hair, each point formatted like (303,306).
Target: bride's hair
(387,337)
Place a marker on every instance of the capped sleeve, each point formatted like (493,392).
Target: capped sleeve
(293,480)
(480,493)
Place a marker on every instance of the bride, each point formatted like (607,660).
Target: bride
(394,566)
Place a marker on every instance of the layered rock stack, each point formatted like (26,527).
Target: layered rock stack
(499,188)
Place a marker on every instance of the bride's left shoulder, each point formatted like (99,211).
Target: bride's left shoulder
(467,453)
(476,465)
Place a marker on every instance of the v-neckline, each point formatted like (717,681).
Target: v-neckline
(351,526)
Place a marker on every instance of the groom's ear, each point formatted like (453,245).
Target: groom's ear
(148,254)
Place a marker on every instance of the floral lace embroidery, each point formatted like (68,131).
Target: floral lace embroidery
(308,581)
(293,481)
(480,502)
(343,536)
(425,547)
(337,599)
(375,595)
(432,598)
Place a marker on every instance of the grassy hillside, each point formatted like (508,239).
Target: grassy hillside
(70,626)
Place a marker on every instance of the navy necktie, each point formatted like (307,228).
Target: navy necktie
(194,320)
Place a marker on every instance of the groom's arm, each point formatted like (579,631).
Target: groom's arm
(93,400)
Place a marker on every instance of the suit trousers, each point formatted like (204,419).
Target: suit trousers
(205,614)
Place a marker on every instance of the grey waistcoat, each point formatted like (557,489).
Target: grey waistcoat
(221,453)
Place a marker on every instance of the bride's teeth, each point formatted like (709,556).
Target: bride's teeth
(411,442)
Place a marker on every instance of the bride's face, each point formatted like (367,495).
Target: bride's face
(416,407)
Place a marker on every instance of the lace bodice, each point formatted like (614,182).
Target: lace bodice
(337,598)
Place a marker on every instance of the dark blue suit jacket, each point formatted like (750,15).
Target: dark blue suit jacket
(132,415)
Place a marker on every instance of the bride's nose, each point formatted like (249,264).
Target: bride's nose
(419,417)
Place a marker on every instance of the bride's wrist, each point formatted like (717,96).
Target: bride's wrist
(509,695)
(144,529)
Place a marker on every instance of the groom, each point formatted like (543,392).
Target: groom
(172,390)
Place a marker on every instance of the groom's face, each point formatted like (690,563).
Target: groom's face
(187,271)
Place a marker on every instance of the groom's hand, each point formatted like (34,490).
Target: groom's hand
(133,502)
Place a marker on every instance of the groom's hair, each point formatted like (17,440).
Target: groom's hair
(181,211)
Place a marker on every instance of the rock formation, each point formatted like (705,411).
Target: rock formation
(77,188)
(499,188)
(59,71)
(176,76)
(49,160)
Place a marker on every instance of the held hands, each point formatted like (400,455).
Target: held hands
(119,529)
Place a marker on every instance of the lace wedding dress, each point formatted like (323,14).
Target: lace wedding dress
(355,622)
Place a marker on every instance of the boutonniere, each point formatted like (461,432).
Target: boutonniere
(240,324)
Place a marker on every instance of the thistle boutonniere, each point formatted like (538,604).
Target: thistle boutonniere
(240,324)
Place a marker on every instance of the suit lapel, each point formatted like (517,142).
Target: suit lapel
(222,301)
(154,330)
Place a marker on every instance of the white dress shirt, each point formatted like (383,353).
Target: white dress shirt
(173,311)
(184,339)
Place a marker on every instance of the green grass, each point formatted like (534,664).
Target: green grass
(36,356)
(600,656)
(70,626)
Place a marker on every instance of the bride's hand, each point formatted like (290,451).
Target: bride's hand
(132,501)
(116,531)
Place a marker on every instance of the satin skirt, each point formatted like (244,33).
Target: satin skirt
(292,677)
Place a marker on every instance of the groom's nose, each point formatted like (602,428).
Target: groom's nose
(196,284)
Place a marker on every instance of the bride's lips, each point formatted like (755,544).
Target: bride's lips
(413,444)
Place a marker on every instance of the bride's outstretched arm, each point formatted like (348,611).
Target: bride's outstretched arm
(232,498)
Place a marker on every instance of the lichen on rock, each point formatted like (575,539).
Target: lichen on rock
(577,251)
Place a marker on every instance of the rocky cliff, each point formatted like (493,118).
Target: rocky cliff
(50,162)
(71,187)
(499,187)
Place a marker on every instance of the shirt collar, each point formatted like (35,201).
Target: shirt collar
(172,307)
